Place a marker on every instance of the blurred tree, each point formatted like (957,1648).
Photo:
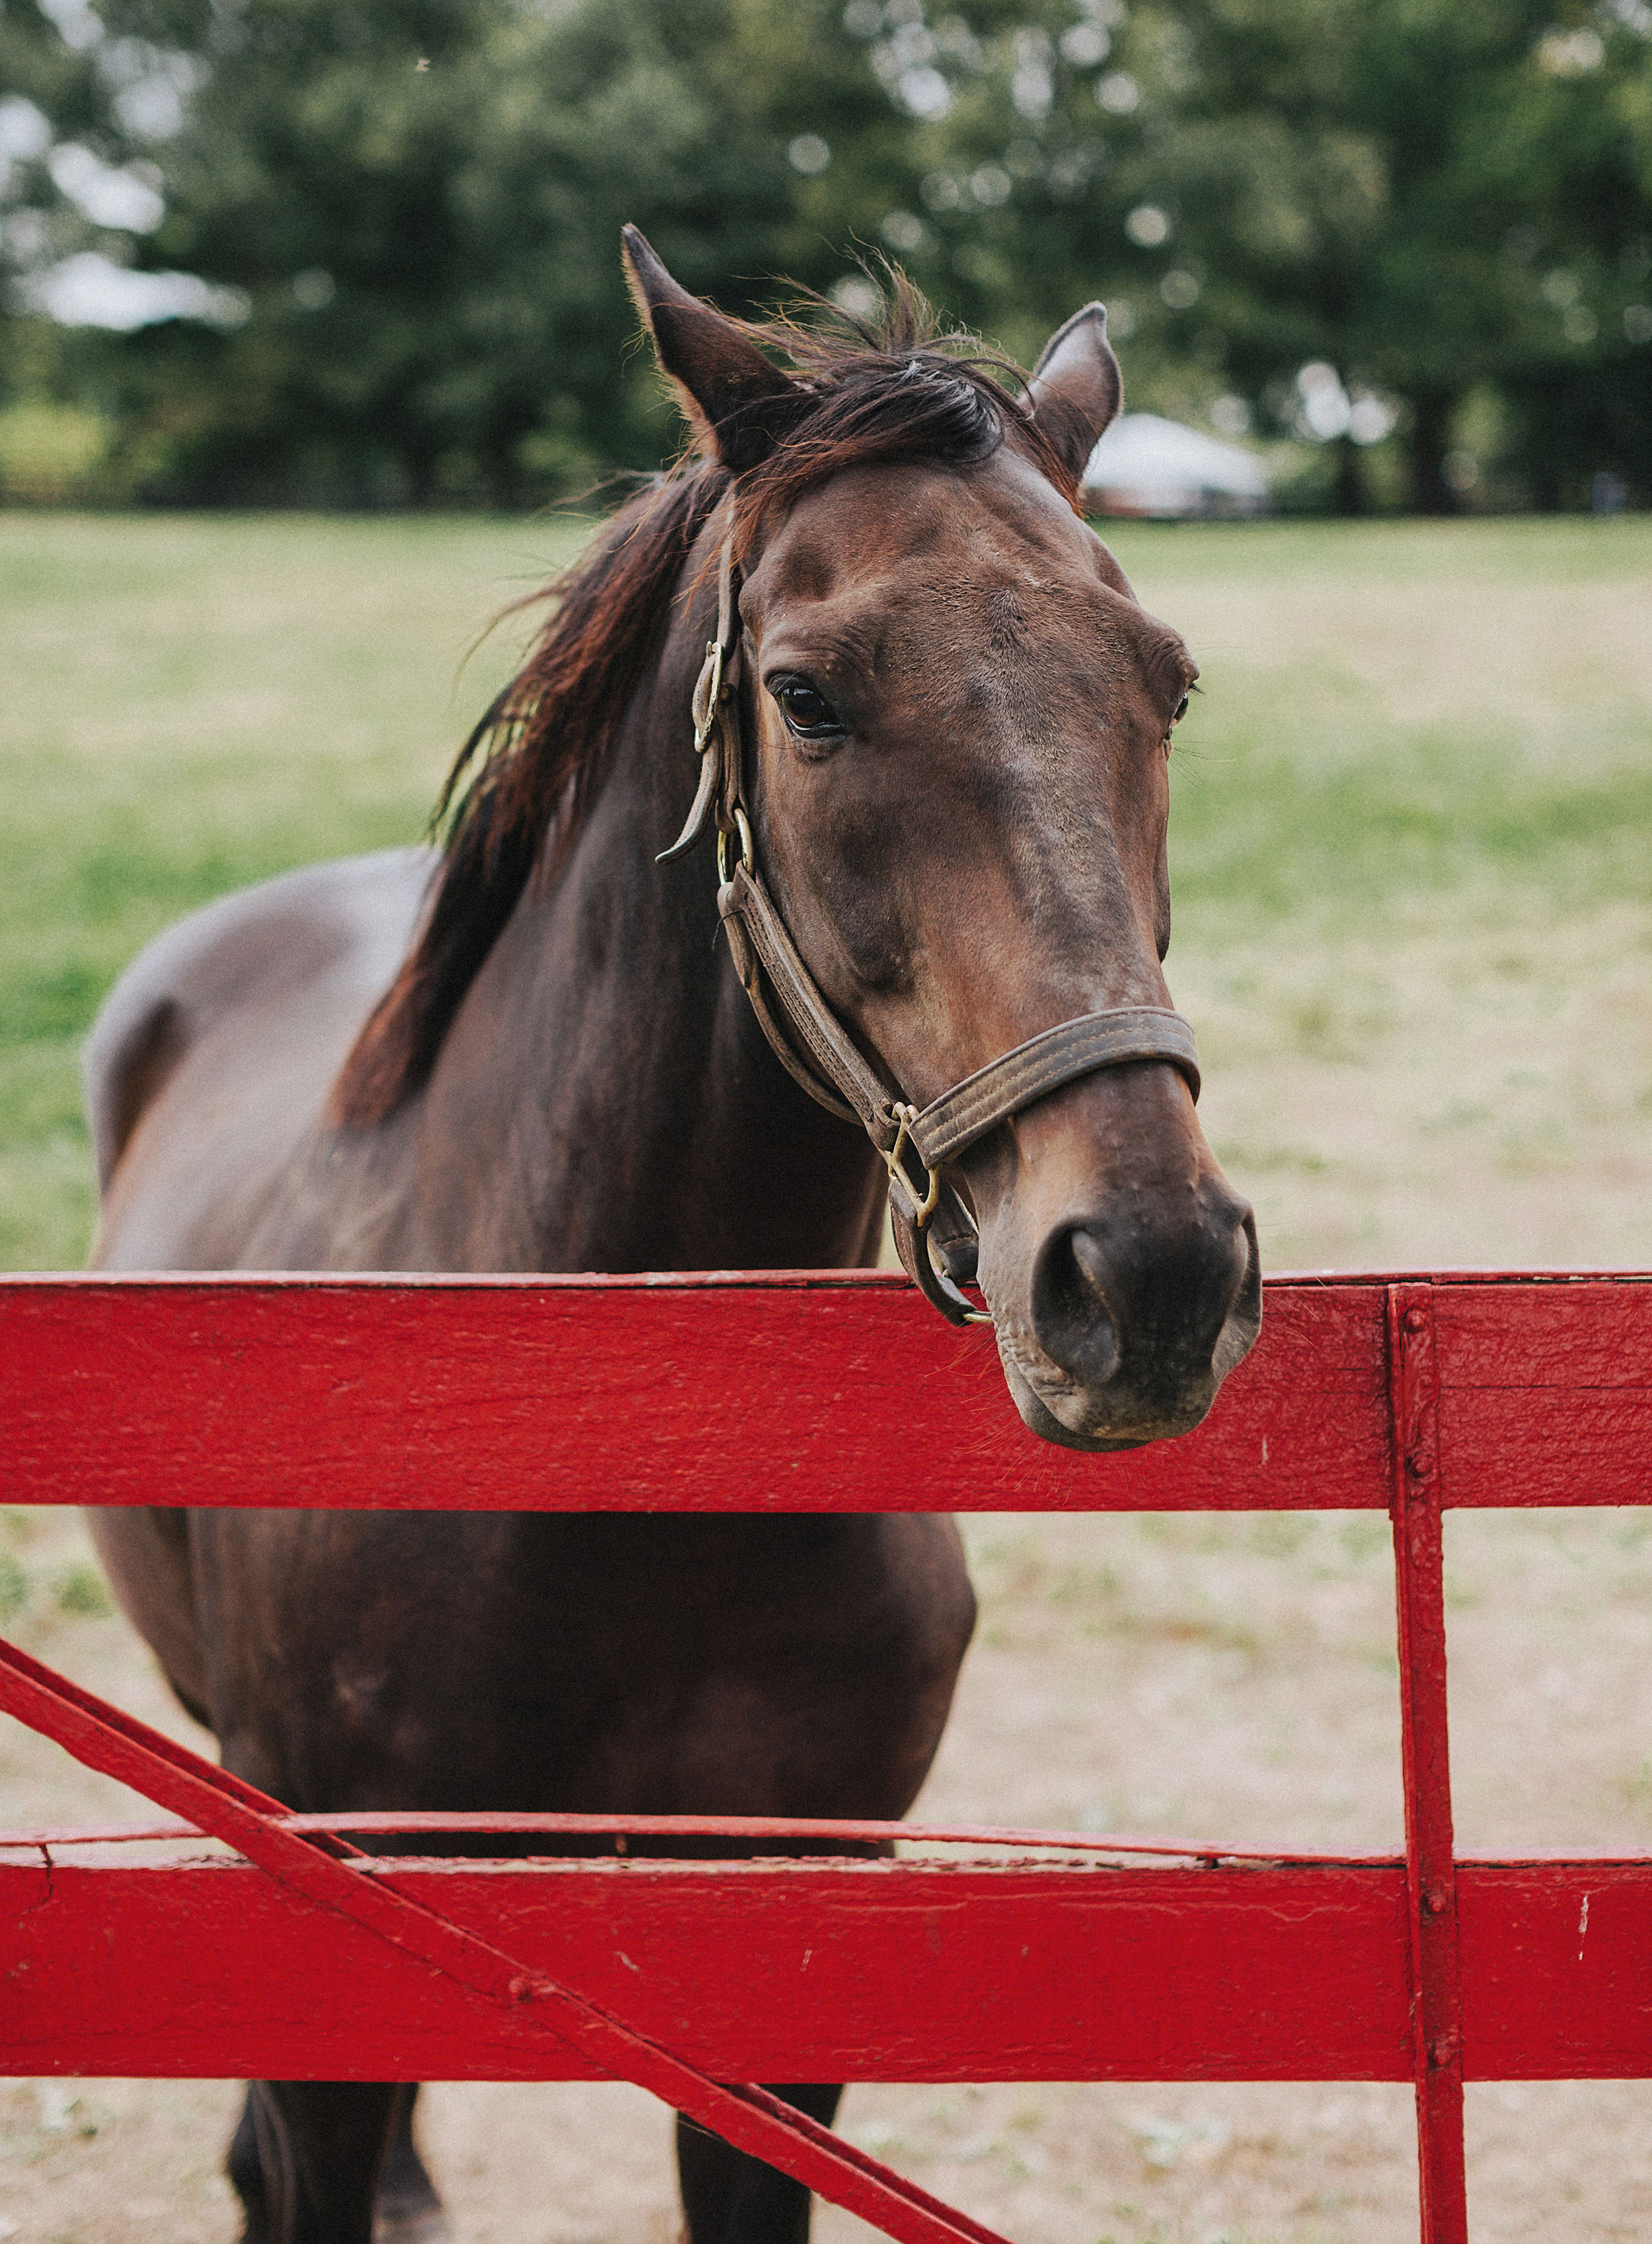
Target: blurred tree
(1331,219)
(1454,186)
(420,207)
(1334,216)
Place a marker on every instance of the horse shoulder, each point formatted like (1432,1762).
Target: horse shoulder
(214,1052)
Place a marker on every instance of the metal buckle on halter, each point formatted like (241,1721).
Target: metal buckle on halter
(905,1116)
(708,688)
(747,852)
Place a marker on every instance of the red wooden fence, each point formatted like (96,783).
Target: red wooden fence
(811,1392)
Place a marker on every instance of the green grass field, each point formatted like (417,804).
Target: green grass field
(1411,842)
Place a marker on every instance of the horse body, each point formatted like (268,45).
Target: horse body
(605,1663)
(583,1085)
(212,1055)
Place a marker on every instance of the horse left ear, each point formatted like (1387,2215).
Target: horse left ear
(1077,388)
(734,398)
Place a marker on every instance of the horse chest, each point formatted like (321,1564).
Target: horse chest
(589,1661)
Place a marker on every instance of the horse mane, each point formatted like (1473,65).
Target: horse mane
(888,387)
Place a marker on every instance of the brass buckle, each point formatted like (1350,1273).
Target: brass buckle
(747,854)
(708,693)
(905,1116)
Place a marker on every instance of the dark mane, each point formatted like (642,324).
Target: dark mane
(884,389)
(529,771)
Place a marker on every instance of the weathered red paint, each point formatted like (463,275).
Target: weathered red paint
(891,1971)
(822,1391)
(495,1983)
(907,1971)
(827,1392)
(1431,1871)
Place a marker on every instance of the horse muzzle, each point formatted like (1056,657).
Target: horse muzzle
(1120,1325)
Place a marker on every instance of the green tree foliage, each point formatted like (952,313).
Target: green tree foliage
(1459,201)
(1328,218)
(1421,202)
(420,209)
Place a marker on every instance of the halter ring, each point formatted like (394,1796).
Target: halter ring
(748,850)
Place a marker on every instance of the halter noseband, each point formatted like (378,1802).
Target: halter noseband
(813,1045)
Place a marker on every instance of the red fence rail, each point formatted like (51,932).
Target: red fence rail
(1409,1394)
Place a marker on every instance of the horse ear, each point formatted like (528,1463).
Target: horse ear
(729,391)
(1077,388)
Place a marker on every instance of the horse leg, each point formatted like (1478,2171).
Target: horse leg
(306,2158)
(245,2166)
(729,2198)
(409,2212)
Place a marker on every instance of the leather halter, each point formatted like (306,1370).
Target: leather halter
(811,1043)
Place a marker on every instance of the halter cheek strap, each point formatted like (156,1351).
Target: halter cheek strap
(715,709)
(813,1047)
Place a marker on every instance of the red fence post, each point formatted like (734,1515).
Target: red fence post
(1426,1763)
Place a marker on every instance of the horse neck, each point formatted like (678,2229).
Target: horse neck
(605,1100)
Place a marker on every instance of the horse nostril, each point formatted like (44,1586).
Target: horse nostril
(1086,1249)
(1074,1326)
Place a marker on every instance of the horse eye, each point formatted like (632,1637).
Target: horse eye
(1181,710)
(806,709)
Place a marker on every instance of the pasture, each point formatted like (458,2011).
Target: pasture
(1411,840)
(1411,850)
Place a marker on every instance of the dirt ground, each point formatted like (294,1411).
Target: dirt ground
(1210,1677)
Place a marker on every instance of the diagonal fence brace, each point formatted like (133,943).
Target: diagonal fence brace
(748,2117)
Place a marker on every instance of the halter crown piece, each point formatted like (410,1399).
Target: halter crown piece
(813,1047)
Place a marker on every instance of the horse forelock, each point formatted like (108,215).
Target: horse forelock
(893,388)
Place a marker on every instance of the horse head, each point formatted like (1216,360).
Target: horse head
(953,724)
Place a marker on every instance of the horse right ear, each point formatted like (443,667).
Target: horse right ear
(735,399)
(1077,388)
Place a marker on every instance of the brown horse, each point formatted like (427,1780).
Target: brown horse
(950,722)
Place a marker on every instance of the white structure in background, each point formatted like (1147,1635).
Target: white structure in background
(89,290)
(1148,465)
